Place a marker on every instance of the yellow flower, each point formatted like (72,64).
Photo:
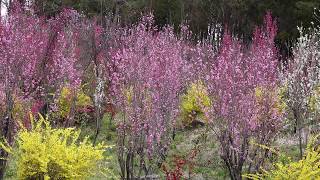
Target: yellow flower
(128,92)
(45,152)
(194,101)
(67,96)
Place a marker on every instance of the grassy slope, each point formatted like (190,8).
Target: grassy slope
(207,164)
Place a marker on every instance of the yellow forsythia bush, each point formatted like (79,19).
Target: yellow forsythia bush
(65,101)
(314,100)
(194,102)
(128,93)
(47,153)
(307,168)
(277,94)
(282,97)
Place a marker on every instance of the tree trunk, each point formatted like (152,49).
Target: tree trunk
(235,173)
(236,176)
(6,130)
(71,120)
(98,119)
(3,153)
(98,99)
(299,130)
(300,142)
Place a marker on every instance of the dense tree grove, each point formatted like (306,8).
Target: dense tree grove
(240,16)
(96,89)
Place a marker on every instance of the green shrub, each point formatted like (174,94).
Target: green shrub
(48,153)
(194,102)
(307,168)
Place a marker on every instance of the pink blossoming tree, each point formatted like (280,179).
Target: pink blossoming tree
(147,79)
(36,58)
(245,109)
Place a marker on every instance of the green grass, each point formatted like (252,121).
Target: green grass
(108,135)
(207,164)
